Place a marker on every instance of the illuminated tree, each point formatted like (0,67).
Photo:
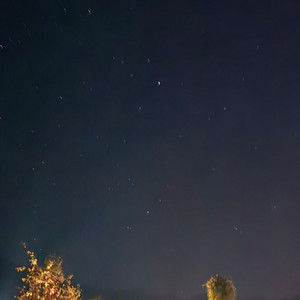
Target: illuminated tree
(220,288)
(46,282)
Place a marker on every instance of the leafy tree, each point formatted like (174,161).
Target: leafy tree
(220,288)
(46,282)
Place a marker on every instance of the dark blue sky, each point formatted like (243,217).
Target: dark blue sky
(152,145)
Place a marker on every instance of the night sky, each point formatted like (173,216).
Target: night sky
(152,144)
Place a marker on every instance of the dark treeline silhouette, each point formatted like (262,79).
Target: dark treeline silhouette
(92,293)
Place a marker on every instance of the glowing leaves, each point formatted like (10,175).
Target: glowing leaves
(220,288)
(46,282)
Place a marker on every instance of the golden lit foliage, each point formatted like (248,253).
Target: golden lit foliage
(46,282)
(220,288)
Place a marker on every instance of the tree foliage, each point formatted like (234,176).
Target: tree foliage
(46,282)
(220,288)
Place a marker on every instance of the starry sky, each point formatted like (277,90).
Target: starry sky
(152,144)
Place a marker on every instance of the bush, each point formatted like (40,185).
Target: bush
(46,282)
(220,288)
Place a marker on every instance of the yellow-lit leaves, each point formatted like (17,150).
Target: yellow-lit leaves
(220,288)
(21,269)
(47,282)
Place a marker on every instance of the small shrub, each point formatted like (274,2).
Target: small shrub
(46,282)
(220,288)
